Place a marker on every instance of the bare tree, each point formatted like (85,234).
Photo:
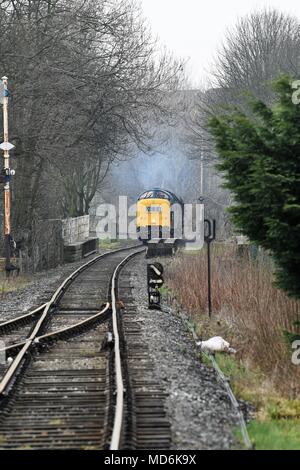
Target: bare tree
(262,46)
(85,80)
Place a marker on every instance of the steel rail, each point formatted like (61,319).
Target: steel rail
(119,408)
(21,318)
(11,372)
(71,328)
(61,287)
(8,376)
(72,276)
(67,329)
(13,346)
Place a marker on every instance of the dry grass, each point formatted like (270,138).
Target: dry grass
(13,284)
(247,310)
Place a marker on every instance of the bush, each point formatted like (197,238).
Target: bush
(260,158)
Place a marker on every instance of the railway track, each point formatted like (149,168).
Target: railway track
(79,376)
(140,420)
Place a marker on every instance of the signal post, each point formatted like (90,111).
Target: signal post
(6,176)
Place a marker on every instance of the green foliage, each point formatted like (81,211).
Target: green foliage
(109,244)
(260,159)
(244,380)
(291,337)
(275,434)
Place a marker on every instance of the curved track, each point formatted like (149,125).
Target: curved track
(80,375)
(61,396)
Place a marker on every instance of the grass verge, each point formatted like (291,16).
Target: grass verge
(252,315)
(108,244)
(275,434)
(277,422)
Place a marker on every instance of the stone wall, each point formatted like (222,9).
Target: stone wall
(76,229)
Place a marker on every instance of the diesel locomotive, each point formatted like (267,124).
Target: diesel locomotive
(155,214)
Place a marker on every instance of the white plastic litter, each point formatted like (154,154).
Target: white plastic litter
(216,344)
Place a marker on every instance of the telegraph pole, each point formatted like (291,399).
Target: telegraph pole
(6,147)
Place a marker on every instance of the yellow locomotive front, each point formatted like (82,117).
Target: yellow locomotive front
(154,214)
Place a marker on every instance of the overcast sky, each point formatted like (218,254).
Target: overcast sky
(194,29)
